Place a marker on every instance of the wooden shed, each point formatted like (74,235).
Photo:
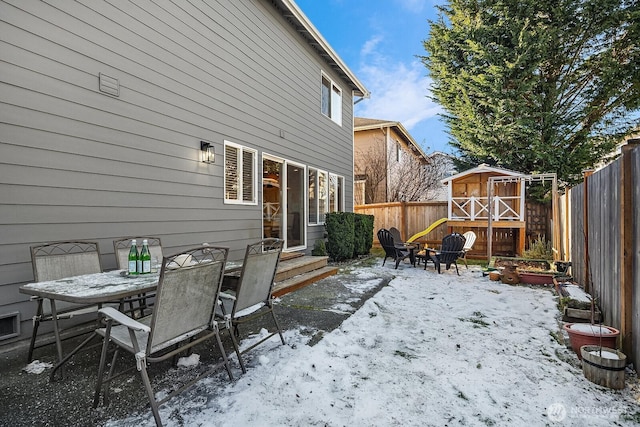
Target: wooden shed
(469,206)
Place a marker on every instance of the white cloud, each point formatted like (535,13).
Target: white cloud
(414,5)
(370,45)
(398,90)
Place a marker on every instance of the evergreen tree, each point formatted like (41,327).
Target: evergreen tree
(536,86)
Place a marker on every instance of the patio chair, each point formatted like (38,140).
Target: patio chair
(183,316)
(470,239)
(449,252)
(251,298)
(121,249)
(393,250)
(397,236)
(57,260)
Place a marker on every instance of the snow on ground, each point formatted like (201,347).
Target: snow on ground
(37,367)
(427,350)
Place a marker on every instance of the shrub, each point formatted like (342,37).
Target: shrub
(539,249)
(340,235)
(319,248)
(363,234)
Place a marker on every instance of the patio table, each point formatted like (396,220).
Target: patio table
(97,288)
(89,289)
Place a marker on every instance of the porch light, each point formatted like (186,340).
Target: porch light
(208,152)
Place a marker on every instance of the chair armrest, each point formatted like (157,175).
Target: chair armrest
(123,319)
(227,296)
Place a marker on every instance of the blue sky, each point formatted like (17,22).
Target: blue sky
(380,40)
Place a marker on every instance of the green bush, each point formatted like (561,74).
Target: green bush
(539,249)
(363,234)
(319,249)
(340,235)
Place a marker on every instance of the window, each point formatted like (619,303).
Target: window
(326,194)
(331,100)
(313,196)
(336,197)
(239,174)
(323,196)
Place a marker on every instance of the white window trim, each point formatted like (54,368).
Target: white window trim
(335,108)
(339,198)
(254,175)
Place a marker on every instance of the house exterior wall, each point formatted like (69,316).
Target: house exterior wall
(77,163)
(365,143)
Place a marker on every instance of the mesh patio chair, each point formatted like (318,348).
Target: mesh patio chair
(449,252)
(121,249)
(470,239)
(393,250)
(57,260)
(183,316)
(251,298)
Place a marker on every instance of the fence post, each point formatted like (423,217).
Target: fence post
(404,224)
(626,246)
(585,230)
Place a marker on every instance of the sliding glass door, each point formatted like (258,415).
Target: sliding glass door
(283,201)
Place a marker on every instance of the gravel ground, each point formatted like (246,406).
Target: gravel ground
(28,399)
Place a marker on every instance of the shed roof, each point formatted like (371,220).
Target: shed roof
(292,13)
(483,168)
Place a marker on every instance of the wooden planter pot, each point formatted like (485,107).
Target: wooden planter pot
(603,366)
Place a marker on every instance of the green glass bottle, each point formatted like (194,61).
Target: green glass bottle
(133,258)
(145,258)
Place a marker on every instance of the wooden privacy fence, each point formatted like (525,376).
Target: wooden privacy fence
(408,217)
(412,217)
(601,231)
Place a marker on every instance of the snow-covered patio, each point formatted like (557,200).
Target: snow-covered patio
(427,349)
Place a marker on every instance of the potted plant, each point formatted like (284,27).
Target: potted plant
(591,334)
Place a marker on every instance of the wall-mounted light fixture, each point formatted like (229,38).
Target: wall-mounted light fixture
(208,153)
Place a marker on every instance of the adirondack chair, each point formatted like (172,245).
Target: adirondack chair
(394,250)
(470,239)
(449,252)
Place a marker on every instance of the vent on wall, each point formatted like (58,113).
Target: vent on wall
(109,85)
(9,325)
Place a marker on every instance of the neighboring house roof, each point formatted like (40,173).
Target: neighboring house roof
(483,168)
(361,124)
(291,12)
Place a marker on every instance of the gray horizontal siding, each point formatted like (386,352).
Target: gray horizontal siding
(78,164)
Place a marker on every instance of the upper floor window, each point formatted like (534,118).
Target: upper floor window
(331,100)
(239,174)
